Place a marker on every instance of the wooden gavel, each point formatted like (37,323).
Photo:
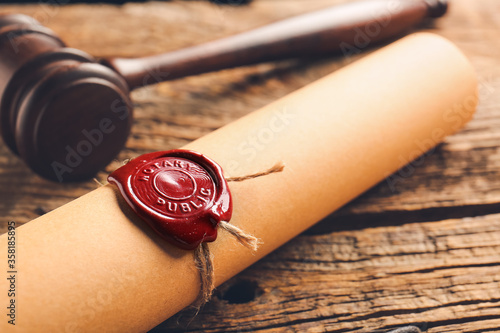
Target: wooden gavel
(68,115)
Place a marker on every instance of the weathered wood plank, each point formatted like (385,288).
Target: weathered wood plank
(441,276)
(461,172)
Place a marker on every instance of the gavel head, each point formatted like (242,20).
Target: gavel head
(64,114)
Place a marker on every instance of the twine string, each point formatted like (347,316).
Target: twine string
(202,255)
(247,240)
(203,261)
(278,167)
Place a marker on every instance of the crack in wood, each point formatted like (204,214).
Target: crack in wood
(340,222)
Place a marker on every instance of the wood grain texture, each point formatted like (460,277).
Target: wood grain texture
(440,276)
(392,257)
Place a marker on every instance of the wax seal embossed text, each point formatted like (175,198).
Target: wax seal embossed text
(181,194)
(174,186)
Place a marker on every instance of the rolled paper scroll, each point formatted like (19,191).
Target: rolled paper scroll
(93,265)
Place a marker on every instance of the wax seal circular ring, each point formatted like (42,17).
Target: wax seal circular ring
(181,194)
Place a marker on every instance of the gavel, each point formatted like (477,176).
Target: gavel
(67,114)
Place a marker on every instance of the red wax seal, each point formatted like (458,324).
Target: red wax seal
(181,194)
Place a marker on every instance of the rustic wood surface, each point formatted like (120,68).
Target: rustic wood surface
(422,247)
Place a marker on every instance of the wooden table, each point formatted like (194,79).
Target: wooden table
(422,247)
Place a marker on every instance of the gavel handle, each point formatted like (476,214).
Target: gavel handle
(340,29)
